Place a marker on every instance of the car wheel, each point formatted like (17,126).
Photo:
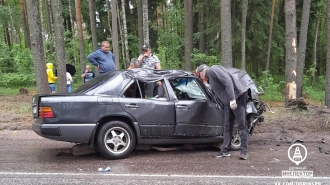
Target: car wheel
(236,141)
(115,140)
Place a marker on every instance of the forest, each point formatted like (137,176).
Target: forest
(276,41)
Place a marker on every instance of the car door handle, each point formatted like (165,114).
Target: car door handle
(182,107)
(131,105)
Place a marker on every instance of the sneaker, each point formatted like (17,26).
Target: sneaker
(243,156)
(223,154)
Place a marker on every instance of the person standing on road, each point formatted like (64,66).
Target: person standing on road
(134,63)
(232,93)
(88,74)
(103,58)
(51,77)
(150,61)
(68,82)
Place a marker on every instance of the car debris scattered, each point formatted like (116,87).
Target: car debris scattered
(107,169)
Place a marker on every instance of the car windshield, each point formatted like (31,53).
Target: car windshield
(91,85)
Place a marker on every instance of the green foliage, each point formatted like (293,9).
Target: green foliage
(5,58)
(16,59)
(167,61)
(17,79)
(133,46)
(273,90)
(22,58)
(202,58)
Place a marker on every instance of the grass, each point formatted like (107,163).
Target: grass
(9,91)
(19,108)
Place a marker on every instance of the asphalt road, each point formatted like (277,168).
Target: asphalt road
(26,158)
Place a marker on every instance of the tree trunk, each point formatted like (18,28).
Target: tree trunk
(145,21)
(244,14)
(201,29)
(25,25)
(109,16)
(14,34)
(327,86)
(93,24)
(139,24)
(115,31)
(290,45)
(315,47)
(121,39)
(270,35)
(49,24)
(302,46)
(80,35)
(188,34)
(59,43)
(127,57)
(226,45)
(37,46)
(73,30)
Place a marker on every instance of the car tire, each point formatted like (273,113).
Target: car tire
(115,140)
(235,143)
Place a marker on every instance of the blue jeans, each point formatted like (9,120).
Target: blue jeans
(52,87)
(69,87)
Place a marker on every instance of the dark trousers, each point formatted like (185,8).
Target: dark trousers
(238,115)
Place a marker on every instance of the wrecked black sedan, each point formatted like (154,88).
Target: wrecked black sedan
(117,112)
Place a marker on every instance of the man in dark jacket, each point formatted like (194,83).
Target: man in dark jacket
(103,58)
(232,93)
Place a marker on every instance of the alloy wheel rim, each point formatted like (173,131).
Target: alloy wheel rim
(117,140)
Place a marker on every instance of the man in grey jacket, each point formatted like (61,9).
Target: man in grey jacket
(232,93)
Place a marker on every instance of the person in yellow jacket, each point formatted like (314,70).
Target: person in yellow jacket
(51,77)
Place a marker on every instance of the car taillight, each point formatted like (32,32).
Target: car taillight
(46,112)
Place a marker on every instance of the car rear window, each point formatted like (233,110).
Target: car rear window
(93,84)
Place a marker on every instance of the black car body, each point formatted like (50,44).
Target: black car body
(117,111)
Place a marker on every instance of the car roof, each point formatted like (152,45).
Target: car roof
(149,75)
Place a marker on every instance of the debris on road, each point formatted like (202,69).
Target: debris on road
(320,149)
(104,170)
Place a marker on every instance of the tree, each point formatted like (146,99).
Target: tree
(316,37)
(59,46)
(80,35)
(226,45)
(93,25)
(139,25)
(327,85)
(49,29)
(244,14)
(115,31)
(145,21)
(302,46)
(201,28)
(127,58)
(290,46)
(270,35)
(188,34)
(37,46)
(25,25)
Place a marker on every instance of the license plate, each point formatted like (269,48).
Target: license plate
(34,110)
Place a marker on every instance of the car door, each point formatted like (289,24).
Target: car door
(196,114)
(155,116)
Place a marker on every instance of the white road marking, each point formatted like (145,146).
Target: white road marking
(160,175)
